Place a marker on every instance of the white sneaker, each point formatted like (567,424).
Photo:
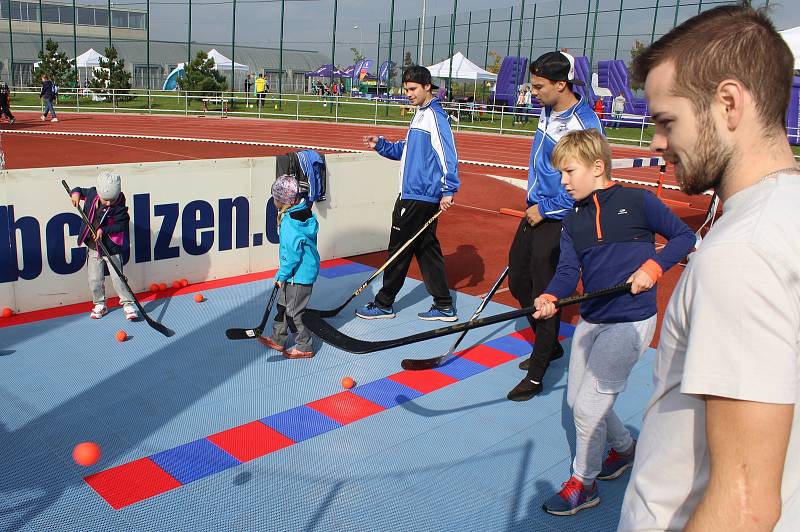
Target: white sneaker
(42,117)
(54,120)
(98,311)
(130,312)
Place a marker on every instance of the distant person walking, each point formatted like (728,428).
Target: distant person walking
(248,89)
(261,89)
(617,108)
(48,95)
(5,102)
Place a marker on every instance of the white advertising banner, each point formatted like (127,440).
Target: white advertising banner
(199,220)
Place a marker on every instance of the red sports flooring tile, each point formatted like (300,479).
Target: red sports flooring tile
(250,441)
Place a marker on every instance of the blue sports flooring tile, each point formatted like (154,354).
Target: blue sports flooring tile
(510,345)
(345,269)
(461,368)
(300,423)
(386,392)
(194,460)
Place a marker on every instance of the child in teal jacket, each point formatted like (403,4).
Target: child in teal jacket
(299,267)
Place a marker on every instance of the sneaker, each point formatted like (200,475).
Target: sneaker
(296,353)
(525,390)
(616,464)
(441,314)
(267,341)
(54,120)
(572,498)
(558,352)
(42,117)
(98,311)
(374,311)
(13,120)
(130,312)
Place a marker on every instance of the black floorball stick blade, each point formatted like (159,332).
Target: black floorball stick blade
(413,364)
(330,335)
(255,332)
(242,334)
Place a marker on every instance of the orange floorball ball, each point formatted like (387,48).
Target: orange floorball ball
(184,283)
(86,453)
(7,312)
(154,287)
(162,286)
(199,298)
(121,336)
(176,284)
(348,382)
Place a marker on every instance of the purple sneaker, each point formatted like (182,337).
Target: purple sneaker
(616,464)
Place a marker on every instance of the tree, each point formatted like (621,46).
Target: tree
(56,65)
(112,75)
(494,66)
(636,50)
(357,55)
(200,76)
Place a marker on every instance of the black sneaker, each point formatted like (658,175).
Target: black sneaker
(525,390)
(558,352)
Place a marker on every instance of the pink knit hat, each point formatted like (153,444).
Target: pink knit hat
(286,189)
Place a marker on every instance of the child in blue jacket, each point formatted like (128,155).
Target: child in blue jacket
(105,208)
(299,267)
(607,239)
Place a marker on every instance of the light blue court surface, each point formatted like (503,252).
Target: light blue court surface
(458,457)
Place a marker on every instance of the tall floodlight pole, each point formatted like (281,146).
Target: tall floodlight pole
(189,38)
(41,25)
(109,23)
(422,34)
(333,40)
(149,85)
(519,41)
(280,57)
(233,50)
(452,50)
(11,42)
(75,34)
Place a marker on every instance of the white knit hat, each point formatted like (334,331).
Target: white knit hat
(109,186)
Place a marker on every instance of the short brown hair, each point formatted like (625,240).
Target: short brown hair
(585,146)
(727,42)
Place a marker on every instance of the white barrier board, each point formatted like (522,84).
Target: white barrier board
(205,219)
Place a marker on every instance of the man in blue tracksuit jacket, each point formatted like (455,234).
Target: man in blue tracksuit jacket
(428,181)
(534,252)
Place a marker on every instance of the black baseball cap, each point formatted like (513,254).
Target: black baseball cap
(418,74)
(556,66)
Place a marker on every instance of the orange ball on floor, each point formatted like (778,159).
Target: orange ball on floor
(162,286)
(176,284)
(184,283)
(121,336)
(199,298)
(348,382)
(154,287)
(7,312)
(86,453)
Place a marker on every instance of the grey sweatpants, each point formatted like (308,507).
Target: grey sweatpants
(601,359)
(294,297)
(97,279)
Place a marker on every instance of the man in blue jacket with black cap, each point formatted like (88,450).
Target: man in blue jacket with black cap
(534,253)
(428,181)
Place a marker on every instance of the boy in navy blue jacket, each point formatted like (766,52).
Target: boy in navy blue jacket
(429,179)
(299,267)
(607,239)
(105,208)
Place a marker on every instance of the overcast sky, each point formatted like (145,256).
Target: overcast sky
(309,24)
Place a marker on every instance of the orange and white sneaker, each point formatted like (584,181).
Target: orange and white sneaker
(98,311)
(293,352)
(130,312)
(267,341)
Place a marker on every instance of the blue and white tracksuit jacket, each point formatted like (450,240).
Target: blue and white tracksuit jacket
(544,181)
(428,159)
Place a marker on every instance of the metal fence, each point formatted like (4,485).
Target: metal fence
(296,37)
